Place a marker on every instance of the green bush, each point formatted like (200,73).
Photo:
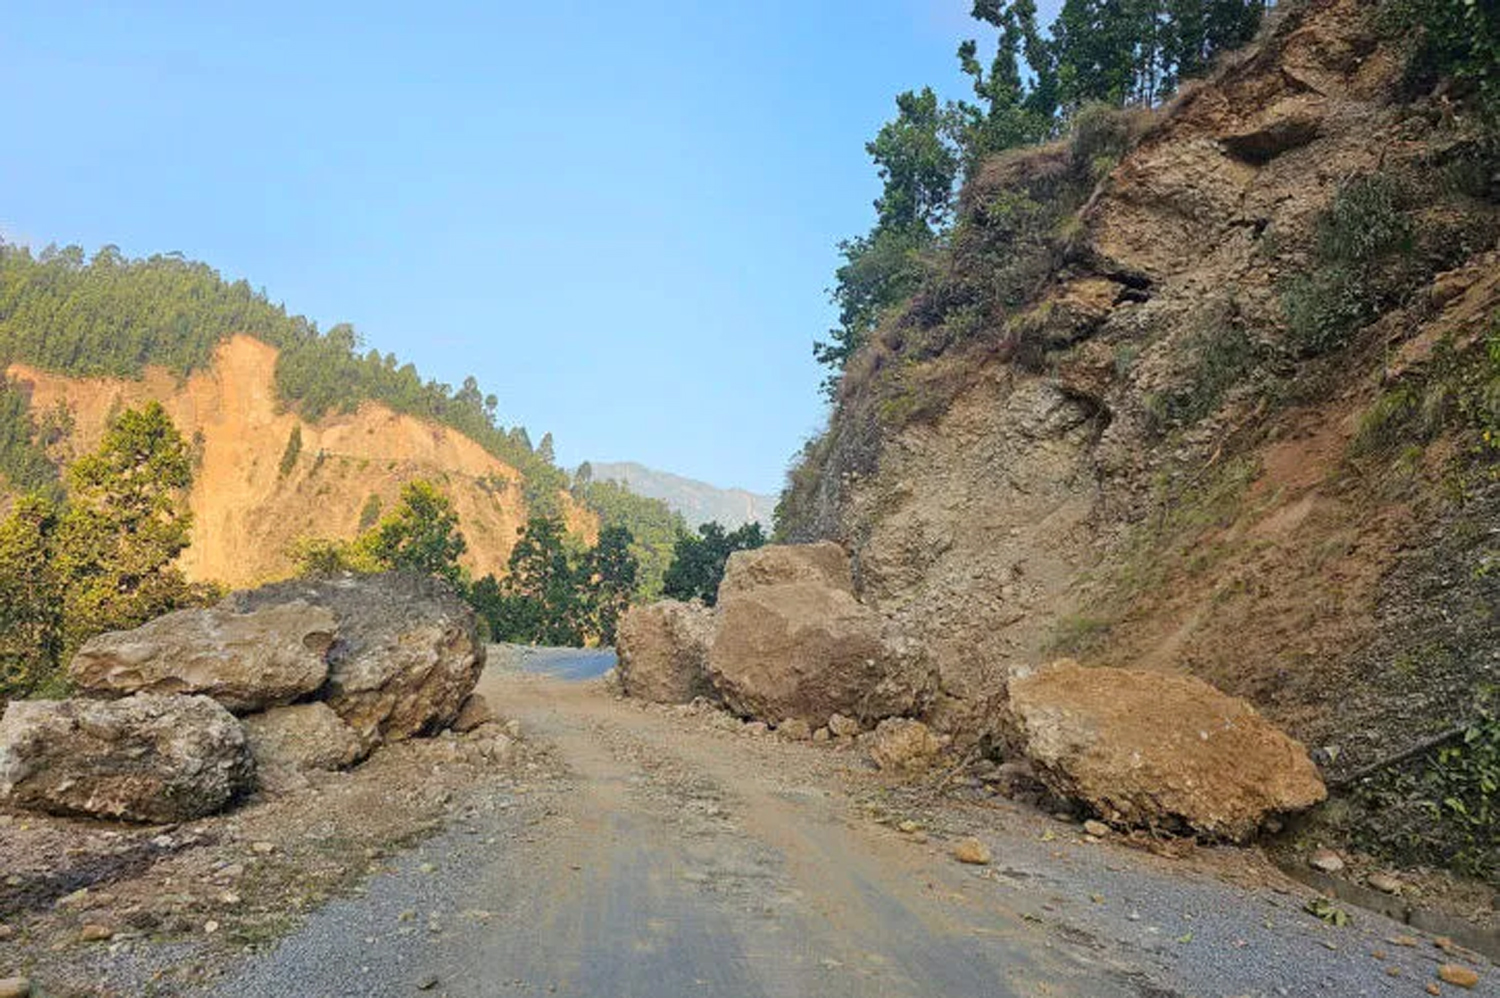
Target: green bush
(292,452)
(1362,243)
(1442,808)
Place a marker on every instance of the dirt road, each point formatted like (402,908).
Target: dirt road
(681,858)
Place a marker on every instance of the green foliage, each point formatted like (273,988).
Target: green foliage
(292,452)
(539,601)
(112,316)
(1362,242)
(698,560)
(421,534)
(30,598)
(1453,39)
(102,562)
(1443,808)
(653,527)
(609,581)
(23,460)
(369,513)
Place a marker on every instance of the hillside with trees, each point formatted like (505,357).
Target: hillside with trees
(76,329)
(1199,376)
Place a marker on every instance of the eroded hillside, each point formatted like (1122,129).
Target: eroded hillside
(1228,406)
(247,512)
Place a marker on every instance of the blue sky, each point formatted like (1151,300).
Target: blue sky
(620,217)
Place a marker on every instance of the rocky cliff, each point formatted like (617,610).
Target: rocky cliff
(247,513)
(1229,415)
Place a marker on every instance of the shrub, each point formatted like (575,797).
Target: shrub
(292,452)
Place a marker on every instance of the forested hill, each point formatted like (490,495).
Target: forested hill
(64,312)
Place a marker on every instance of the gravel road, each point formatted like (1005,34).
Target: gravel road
(681,857)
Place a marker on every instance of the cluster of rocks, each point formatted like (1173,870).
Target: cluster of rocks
(178,718)
(790,647)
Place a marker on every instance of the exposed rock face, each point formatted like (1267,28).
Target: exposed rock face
(900,743)
(1152,749)
(303,736)
(245,661)
(663,650)
(793,641)
(407,653)
(142,758)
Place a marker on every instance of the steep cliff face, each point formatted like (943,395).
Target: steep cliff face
(246,512)
(1144,465)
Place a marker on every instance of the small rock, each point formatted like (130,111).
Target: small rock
(795,729)
(1433,989)
(1394,970)
(210,927)
(756,728)
(821,735)
(908,827)
(513,728)
(94,933)
(1403,940)
(229,898)
(15,987)
(1459,975)
(1384,882)
(972,851)
(427,983)
(263,848)
(1326,860)
(1097,829)
(474,713)
(233,871)
(843,727)
(6,932)
(919,836)
(426,868)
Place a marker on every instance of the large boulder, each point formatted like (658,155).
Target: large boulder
(792,641)
(663,651)
(246,661)
(1157,750)
(301,737)
(900,743)
(142,758)
(407,653)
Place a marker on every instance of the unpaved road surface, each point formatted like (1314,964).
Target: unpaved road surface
(680,858)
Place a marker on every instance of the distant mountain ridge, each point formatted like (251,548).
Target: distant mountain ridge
(698,502)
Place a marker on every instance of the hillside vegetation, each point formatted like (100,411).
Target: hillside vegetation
(106,320)
(1204,380)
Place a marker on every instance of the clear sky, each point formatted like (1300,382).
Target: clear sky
(621,217)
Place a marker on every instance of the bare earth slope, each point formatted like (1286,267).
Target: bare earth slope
(246,513)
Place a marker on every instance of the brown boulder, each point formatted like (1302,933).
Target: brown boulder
(407,653)
(900,743)
(475,713)
(1157,750)
(300,737)
(792,641)
(245,661)
(663,651)
(141,758)
(823,563)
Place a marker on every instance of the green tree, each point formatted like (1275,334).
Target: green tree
(542,587)
(421,534)
(698,560)
(292,452)
(610,571)
(1010,112)
(124,525)
(30,597)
